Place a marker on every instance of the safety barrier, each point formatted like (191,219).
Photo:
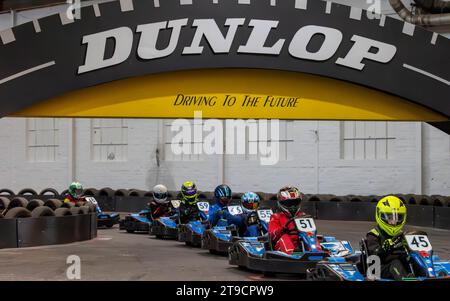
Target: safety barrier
(49,230)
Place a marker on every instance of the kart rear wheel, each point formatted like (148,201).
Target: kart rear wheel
(130,231)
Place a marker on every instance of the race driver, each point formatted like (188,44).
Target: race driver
(160,205)
(390,216)
(188,209)
(75,193)
(282,230)
(218,213)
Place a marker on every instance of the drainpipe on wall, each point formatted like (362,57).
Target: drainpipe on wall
(221,160)
(423,20)
(13,18)
(419,158)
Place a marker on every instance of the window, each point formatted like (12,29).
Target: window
(286,141)
(190,144)
(109,139)
(367,140)
(42,139)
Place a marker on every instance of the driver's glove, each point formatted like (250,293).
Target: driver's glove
(388,245)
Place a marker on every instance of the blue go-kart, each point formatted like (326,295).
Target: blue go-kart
(137,222)
(220,238)
(166,227)
(257,254)
(415,247)
(191,233)
(103,219)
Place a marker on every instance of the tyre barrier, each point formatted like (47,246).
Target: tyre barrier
(49,191)
(43,226)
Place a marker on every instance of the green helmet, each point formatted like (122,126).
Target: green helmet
(76,189)
(391,215)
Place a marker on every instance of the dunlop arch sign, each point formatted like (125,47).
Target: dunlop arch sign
(287,59)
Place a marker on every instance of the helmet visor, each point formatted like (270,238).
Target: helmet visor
(392,218)
(251,206)
(291,203)
(161,196)
(78,191)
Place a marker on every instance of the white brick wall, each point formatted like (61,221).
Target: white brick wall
(336,175)
(325,173)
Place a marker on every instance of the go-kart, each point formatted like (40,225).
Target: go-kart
(136,222)
(166,227)
(257,254)
(103,219)
(414,246)
(220,238)
(191,233)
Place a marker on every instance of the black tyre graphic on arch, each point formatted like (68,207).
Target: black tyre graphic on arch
(63,212)
(42,211)
(53,204)
(18,212)
(34,204)
(18,202)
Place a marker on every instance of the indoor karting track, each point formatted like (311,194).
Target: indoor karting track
(117,255)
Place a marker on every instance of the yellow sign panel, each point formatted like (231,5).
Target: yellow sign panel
(233,93)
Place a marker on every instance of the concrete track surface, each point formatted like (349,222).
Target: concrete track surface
(117,255)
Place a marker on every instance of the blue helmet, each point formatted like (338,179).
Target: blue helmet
(250,201)
(222,194)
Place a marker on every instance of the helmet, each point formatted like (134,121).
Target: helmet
(250,201)
(289,199)
(222,194)
(160,194)
(391,215)
(189,193)
(76,189)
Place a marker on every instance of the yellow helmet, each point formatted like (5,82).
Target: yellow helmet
(391,215)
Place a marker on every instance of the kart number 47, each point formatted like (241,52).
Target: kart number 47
(305,224)
(418,243)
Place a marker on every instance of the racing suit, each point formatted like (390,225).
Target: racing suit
(159,210)
(392,265)
(284,241)
(68,198)
(219,215)
(247,228)
(189,213)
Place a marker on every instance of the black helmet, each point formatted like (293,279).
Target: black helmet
(222,194)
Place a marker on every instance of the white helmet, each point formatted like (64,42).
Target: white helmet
(160,194)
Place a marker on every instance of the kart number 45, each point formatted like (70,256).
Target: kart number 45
(305,224)
(418,243)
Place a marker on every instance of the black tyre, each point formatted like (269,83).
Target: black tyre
(4,203)
(6,191)
(108,192)
(130,231)
(76,210)
(121,192)
(18,212)
(64,192)
(136,192)
(67,205)
(42,211)
(91,192)
(63,212)
(84,210)
(18,202)
(34,204)
(49,191)
(27,191)
(53,204)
